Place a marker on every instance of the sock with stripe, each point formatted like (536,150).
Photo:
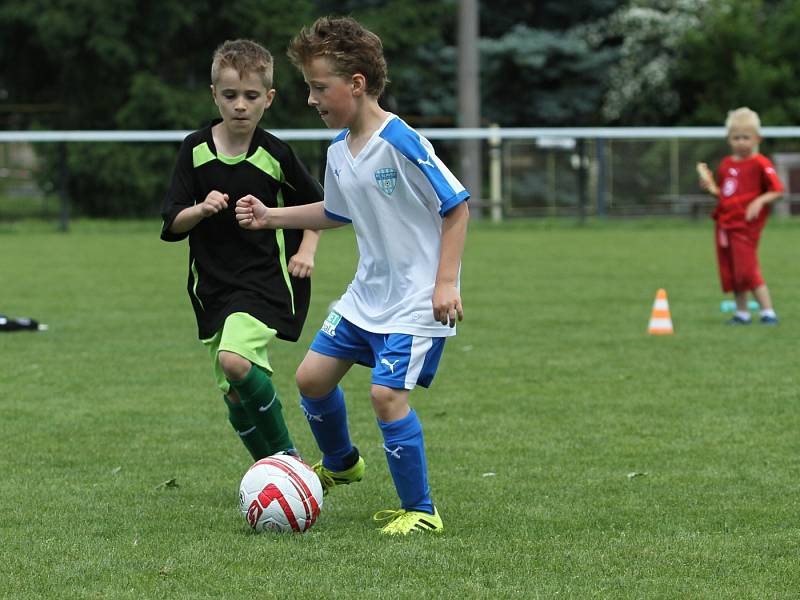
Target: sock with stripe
(327,417)
(263,408)
(405,453)
(250,436)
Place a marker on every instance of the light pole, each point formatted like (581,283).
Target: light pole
(469,100)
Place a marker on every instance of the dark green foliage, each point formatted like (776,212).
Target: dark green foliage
(145,65)
(745,55)
(128,65)
(543,77)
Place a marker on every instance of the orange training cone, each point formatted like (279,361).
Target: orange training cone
(660,319)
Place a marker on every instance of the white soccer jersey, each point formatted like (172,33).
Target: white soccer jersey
(395,193)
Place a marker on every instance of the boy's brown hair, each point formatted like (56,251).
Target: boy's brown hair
(348,45)
(246,57)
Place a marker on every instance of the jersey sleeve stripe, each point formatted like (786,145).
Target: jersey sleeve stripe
(335,217)
(462,196)
(409,143)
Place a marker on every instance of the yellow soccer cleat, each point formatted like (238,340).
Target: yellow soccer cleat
(403,522)
(330,478)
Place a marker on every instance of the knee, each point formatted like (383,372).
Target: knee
(389,404)
(308,384)
(380,395)
(234,366)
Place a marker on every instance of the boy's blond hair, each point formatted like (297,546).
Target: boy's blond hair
(246,57)
(348,45)
(744,118)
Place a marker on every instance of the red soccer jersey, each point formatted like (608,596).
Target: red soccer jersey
(740,182)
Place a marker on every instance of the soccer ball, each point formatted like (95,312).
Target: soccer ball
(280,493)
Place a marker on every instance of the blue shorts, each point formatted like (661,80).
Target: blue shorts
(398,360)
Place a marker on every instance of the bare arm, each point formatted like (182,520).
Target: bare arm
(302,263)
(446,297)
(754,208)
(189,217)
(252,214)
(707,179)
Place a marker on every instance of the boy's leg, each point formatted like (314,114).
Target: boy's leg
(327,417)
(761,294)
(337,346)
(404,446)
(260,401)
(242,361)
(402,362)
(746,271)
(727,276)
(243,426)
(252,439)
(741,302)
(767,312)
(405,453)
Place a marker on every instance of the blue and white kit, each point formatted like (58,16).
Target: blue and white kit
(395,192)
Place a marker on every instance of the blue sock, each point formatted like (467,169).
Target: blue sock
(405,453)
(327,417)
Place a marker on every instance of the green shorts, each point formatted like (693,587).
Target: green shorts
(244,335)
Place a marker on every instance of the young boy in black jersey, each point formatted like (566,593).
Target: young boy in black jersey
(246,287)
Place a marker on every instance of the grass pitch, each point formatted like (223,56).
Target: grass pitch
(571,454)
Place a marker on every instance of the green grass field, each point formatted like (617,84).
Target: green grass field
(548,400)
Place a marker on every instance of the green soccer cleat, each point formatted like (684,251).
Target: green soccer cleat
(403,522)
(331,479)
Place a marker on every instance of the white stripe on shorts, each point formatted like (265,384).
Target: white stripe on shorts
(419,349)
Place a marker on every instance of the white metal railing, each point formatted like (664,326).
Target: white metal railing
(483,133)
(554,138)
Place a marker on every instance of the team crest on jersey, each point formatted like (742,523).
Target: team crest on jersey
(387,180)
(729,187)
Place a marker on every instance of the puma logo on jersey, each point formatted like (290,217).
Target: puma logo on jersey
(389,364)
(427,161)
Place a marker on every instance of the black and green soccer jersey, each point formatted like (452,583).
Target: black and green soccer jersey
(232,269)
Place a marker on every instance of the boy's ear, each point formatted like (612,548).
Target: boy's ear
(270,97)
(213,94)
(359,83)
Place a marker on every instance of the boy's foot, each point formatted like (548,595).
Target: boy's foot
(330,478)
(737,320)
(290,452)
(403,522)
(768,320)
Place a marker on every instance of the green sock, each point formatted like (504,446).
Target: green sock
(250,436)
(260,401)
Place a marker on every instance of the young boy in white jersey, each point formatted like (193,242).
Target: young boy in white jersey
(410,217)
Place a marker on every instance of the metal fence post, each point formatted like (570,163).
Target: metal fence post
(63,187)
(600,156)
(495,177)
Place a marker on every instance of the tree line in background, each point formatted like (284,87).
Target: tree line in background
(145,65)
